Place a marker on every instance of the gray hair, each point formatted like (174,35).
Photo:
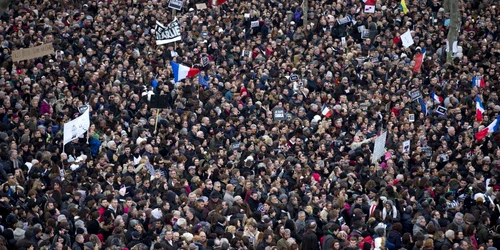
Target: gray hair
(181,222)
(118,220)
(409,209)
(177,213)
(133,223)
(79,236)
(449,233)
(420,219)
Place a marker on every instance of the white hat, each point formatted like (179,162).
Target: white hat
(292,23)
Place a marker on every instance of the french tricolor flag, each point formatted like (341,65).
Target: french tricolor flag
(370,6)
(478,81)
(217,2)
(419,59)
(326,111)
(182,72)
(493,127)
(479,109)
(436,98)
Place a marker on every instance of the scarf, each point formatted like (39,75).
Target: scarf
(393,210)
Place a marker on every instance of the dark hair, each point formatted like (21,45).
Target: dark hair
(406,238)
(397,227)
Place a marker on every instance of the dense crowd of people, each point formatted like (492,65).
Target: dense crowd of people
(217,167)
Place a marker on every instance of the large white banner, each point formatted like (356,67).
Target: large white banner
(76,127)
(379,148)
(167,34)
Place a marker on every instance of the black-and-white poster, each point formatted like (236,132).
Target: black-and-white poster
(411,117)
(176,4)
(415,94)
(167,34)
(365,34)
(294,77)
(406,146)
(279,114)
(427,151)
(205,61)
(441,110)
(344,20)
(83,108)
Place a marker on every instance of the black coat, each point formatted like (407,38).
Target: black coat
(167,246)
(310,241)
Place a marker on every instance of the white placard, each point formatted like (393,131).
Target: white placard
(167,34)
(361,28)
(406,146)
(76,127)
(455,47)
(407,39)
(176,4)
(379,148)
(369,8)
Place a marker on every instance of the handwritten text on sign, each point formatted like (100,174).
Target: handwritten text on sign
(32,53)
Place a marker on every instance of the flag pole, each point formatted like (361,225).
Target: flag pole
(157,117)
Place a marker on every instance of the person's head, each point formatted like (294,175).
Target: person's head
(302,216)
(421,221)
(79,238)
(464,244)
(450,234)
(436,214)
(169,235)
(353,241)
(489,242)
(459,218)
(268,238)
(359,200)
(312,226)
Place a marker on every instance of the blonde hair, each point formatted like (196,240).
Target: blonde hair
(230,228)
